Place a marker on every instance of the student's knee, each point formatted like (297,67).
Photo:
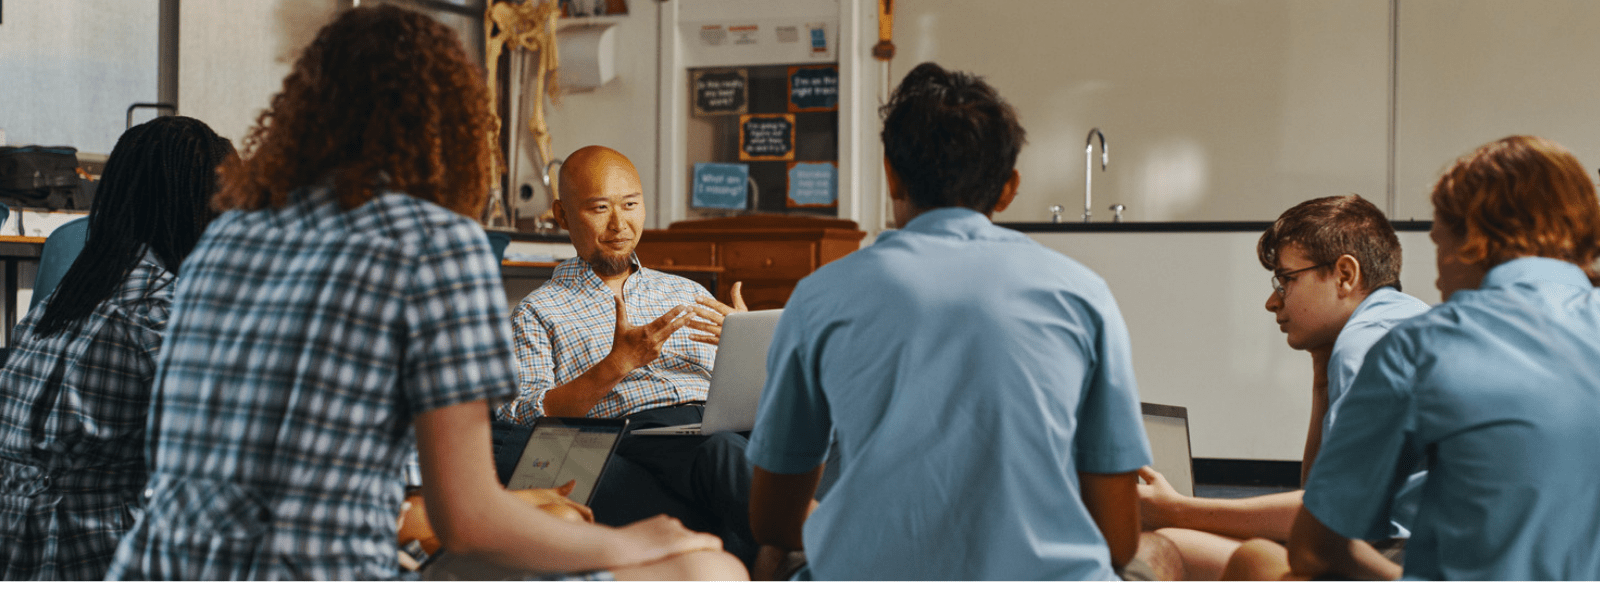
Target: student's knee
(1158,557)
(1257,560)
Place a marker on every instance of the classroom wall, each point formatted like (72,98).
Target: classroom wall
(233,56)
(69,70)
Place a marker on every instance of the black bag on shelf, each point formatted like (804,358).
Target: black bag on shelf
(43,177)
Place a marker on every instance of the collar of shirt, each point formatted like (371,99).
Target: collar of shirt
(954,221)
(575,272)
(1534,268)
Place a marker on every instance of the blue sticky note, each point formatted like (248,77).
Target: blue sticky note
(721,185)
(813,184)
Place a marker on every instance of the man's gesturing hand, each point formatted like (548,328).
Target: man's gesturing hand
(634,347)
(711,314)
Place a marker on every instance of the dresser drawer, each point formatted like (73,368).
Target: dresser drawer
(768,260)
(683,254)
(765,295)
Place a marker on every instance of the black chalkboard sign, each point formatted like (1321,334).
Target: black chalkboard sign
(720,92)
(766,137)
(813,88)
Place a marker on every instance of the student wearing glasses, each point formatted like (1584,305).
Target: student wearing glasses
(1497,389)
(1335,265)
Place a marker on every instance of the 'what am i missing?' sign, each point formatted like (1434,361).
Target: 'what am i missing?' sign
(721,185)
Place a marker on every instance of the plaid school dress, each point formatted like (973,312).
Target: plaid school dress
(303,342)
(72,425)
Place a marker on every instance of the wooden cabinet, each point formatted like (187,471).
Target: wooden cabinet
(770,254)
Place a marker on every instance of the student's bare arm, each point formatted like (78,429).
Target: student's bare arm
(1269,516)
(1113,501)
(779,504)
(631,348)
(1315,550)
(473,515)
(1319,410)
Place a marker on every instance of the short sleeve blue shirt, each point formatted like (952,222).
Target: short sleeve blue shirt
(1498,391)
(1384,308)
(967,374)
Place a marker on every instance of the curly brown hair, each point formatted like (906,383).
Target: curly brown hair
(383,98)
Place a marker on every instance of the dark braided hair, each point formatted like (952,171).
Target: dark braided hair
(951,138)
(154,195)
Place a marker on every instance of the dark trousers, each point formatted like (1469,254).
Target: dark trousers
(703,481)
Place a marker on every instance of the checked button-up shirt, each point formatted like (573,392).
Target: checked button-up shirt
(565,327)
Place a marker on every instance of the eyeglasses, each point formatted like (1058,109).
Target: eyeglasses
(1281,280)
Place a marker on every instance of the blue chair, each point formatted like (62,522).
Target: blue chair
(498,240)
(60,249)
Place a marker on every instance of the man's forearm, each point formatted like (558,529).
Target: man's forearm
(1270,516)
(577,397)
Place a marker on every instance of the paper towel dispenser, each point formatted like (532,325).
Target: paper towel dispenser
(588,56)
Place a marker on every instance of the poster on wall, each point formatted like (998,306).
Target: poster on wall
(721,185)
(814,88)
(766,137)
(719,91)
(813,184)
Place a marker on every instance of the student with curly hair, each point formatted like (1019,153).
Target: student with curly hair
(345,310)
(75,392)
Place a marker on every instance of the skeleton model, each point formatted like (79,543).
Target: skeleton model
(530,25)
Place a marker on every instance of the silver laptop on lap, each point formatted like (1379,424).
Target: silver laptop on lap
(736,378)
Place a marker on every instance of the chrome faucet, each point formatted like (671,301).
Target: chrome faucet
(1088,168)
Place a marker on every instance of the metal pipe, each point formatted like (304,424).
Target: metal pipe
(1088,168)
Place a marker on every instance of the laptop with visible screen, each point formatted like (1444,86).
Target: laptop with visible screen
(736,378)
(567,449)
(1167,428)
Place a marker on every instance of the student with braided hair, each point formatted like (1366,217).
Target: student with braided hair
(76,390)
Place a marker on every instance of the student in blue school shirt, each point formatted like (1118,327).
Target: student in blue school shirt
(978,387)
(346,310)
(1496,389)
(1335,265)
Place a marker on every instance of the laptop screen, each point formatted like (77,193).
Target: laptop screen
(1167,428)
(562,450)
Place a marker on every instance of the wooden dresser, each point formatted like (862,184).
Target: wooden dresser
(769,253)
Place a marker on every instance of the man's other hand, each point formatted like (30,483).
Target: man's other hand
(634,347)
(711,313)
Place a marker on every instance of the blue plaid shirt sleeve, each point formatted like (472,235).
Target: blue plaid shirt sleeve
(459,349)
(535,367)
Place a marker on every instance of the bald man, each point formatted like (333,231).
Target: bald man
(608,338)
